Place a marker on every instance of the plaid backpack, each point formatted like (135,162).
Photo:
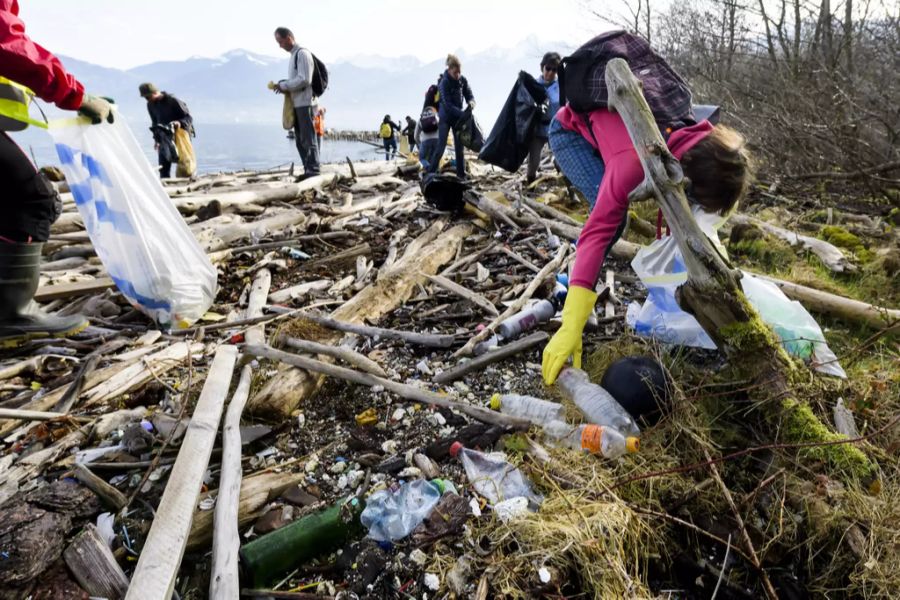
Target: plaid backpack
(582,77)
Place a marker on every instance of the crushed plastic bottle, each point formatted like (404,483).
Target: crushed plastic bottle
(844,421)
(487,345)
(595,439)
(392,515)
(598,405)
(528,319)
(528,407)
(493,477)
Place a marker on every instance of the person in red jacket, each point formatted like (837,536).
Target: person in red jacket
(28,202)
(715,162)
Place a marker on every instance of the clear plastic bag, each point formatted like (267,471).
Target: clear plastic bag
(143,241)
(661,268)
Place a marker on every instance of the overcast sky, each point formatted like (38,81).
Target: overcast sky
(127,33)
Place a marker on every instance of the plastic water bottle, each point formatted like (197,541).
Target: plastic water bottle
(527,319)
(594,439)
(598,405)
(392,515)
(487,345)
(493,477)
(528,407)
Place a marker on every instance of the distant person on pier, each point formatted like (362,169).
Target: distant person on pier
(299,85)
(549,67)
(386,132)
(29,203)
(410,132)
(319,125)
(168,114)
(453,88)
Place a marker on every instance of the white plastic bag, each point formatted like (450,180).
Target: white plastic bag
(144,243)
(661,268)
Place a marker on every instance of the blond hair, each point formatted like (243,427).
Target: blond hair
(720,169)
(453,61)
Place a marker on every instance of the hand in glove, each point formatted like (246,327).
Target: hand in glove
(567,341)
(472,105)
(97,109)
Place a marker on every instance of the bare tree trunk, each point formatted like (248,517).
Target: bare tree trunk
(712,292)
(770,43)
(848,36)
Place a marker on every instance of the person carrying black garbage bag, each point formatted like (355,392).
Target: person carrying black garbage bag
(549,67)
(167,114)
(453,89)
(28,202)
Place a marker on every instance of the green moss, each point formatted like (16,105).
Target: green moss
(800,425)
(749,338)
(765,253)
(842,238)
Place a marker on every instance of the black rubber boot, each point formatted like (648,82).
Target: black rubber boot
(20,319)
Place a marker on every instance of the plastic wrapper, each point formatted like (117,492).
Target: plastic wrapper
(143,241)
(661,268)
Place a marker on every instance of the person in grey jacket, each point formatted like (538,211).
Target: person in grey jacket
(299,86)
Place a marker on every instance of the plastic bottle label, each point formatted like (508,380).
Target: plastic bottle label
(591,437)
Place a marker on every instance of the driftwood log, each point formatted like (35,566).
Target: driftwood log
(94,566)
(712,292)
(433,248)
(830,255)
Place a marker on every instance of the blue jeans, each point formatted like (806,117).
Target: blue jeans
(579,161)
(390,145)
(305,137)
(443,132)
(427,150)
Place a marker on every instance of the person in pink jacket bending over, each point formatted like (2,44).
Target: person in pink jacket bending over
(715,162)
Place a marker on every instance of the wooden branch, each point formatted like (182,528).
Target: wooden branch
(94,566)
(37,415)
(519,259)
(315,237)
(347,355)
(269,193)
(223,581)
(549,212)
(407,392)
(259,291)
(112,498)
(882,168)
(157,568)
(70,290)
(428,340)
(492,356)
(296,291)
(548,271)
(830,255)
(473,297)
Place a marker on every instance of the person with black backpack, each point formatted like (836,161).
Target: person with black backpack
(304,76)
(453,88)
(427,129)
(167,115)
(714,159)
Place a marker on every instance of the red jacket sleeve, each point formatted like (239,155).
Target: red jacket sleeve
(29,64)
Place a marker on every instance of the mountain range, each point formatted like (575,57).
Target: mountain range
(231,88)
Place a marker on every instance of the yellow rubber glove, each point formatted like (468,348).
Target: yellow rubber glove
(567,341)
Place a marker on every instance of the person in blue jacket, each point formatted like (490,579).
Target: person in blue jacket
(453,89)
(549,67)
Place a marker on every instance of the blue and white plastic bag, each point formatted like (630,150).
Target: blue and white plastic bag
(661,268)
(144,243)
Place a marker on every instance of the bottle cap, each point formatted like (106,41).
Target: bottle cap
(495,402)
(591,437)
(455,447)
(632,444)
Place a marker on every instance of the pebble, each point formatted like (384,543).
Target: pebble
(377,389)
(422,367)
(410,473)
(418,557)
(342,482)
(312,464)
(436,419)
(338,468)
(354,478)
(544,574)
(432,582)
(390,447)
(461,387)
(398,415)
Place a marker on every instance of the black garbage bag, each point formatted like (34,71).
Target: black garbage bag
(444,191)
(640,385)
(468,131)
(526,107)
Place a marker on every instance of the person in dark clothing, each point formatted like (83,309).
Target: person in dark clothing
(167,113)
(410,132)
(388,127)
(454,88)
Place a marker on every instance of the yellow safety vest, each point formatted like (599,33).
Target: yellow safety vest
(14,101)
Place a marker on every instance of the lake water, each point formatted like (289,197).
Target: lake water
(220,147)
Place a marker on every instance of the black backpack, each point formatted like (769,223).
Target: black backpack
(429,120)
(582,77)
(319,81)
